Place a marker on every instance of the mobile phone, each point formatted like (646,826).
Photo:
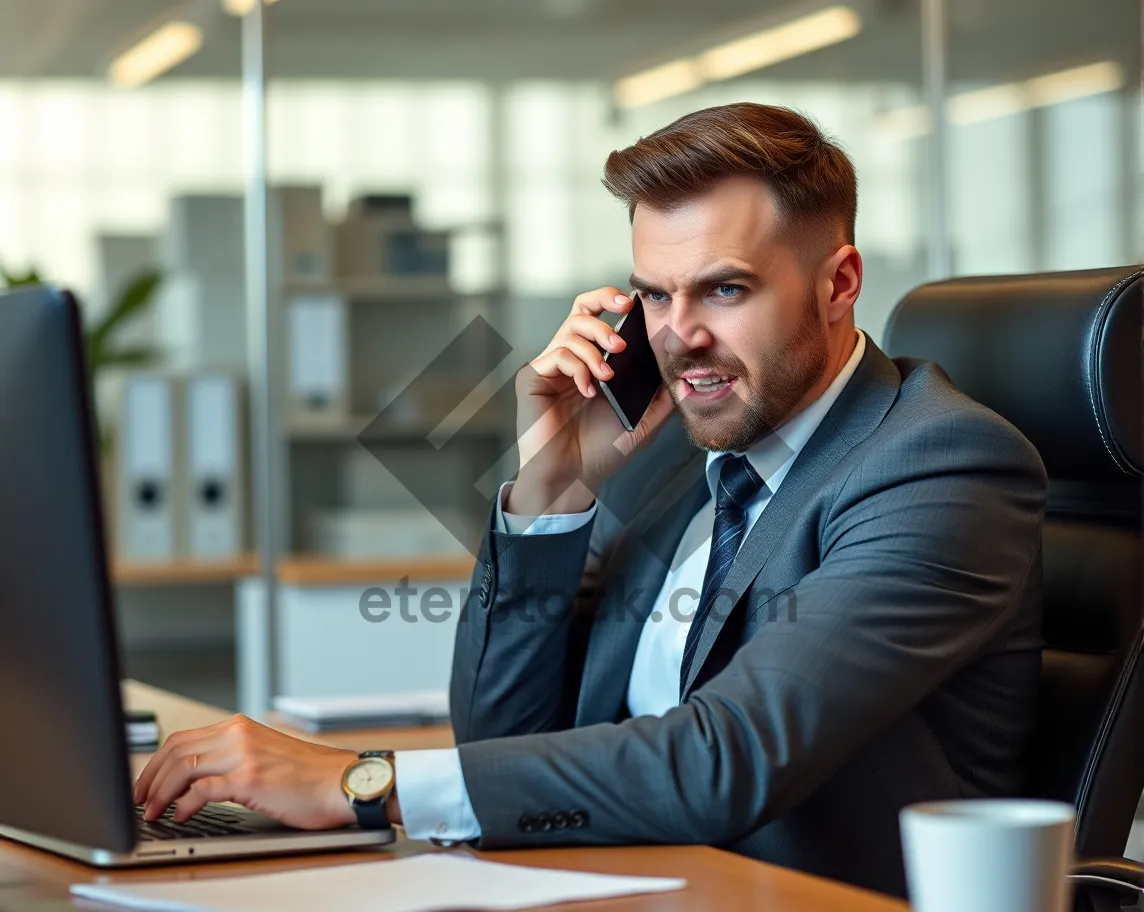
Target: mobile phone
(636,378)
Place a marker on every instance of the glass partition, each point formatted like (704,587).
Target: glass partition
(1044,135)
(120,179)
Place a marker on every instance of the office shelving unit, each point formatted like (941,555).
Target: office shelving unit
(392,340)
(183,572)
(395,325)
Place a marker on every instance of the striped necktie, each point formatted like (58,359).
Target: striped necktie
(739,484)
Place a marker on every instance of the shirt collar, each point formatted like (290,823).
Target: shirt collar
(773,456)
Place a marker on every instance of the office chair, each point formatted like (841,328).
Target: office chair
(1059,355)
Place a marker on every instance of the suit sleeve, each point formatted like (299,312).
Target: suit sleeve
(510,657)
(925,558)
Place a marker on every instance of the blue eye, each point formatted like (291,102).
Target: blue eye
(727,291)
(657,297)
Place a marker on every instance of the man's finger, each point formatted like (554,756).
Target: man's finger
(594,330)
(195,762)
(596,302)
(592,357)
(173,742)
(202,793)
(195,741)
(562,362)
(147,777)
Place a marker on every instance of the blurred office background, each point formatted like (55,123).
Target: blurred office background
(435,161)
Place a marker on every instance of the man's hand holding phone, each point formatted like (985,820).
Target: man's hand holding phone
(570,438)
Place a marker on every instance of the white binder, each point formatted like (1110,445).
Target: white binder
(319,377)
(148,466)
(214,490)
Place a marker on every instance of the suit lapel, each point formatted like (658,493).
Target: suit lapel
(858,410)
(635,573)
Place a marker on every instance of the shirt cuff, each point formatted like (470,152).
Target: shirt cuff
(548,524)
(434,801)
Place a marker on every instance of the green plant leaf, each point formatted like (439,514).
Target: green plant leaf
(12,280)
(126,357)
(134,299)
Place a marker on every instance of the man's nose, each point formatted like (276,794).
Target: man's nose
(684,330)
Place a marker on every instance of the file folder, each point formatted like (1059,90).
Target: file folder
(319,377)
(215,486)
(148,465)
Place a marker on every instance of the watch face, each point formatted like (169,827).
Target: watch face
(369,778)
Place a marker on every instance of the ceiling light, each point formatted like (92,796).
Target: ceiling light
(1005,99)
(987,104)
(163,49)
(242,7)
(657,84)
(1075,83)
(734,58)
(773,45)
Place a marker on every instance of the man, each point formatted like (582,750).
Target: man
(802,594)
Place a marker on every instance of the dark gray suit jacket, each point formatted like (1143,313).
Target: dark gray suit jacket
(884,645)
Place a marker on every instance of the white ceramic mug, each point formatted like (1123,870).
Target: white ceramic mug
(988,855)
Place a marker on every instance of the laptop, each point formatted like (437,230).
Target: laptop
(65,778)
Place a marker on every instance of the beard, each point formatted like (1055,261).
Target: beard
(764,398)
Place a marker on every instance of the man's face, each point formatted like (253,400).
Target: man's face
(732,312)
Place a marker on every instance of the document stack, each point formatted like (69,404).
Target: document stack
(316,714)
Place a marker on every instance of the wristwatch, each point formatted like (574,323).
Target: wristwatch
(367,782)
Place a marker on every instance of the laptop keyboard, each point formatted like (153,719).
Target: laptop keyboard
(212,820)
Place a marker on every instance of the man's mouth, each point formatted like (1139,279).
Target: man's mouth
(709,383)
(707,387)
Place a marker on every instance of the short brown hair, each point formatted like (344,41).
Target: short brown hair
(812,179)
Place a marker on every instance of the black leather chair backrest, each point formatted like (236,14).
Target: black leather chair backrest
(1059,355)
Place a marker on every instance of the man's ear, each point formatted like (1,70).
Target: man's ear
(841,278)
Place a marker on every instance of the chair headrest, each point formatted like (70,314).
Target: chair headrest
(1057,354)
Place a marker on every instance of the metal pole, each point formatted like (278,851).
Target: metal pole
(256,623)
(1037,187)
(935,37)
(499,177)
(1133,145)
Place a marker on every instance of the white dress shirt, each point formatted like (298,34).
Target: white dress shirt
(434,800)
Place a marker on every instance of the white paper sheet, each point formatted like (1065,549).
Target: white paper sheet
(420,884)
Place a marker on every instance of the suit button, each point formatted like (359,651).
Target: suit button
(526,823)
(579,820)
(560,820)
(544,822)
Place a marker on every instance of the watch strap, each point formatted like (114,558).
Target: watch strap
(371,814)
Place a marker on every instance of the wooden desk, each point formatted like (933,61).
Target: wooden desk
(716,880)
(178,713)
